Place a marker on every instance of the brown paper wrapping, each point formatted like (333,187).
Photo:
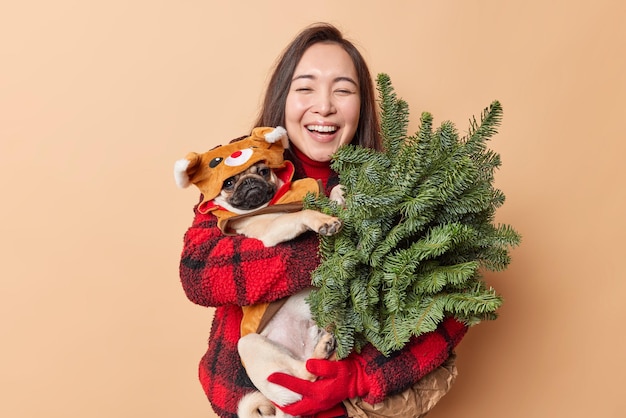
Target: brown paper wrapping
(414,402)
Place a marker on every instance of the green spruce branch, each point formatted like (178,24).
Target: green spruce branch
(418,230)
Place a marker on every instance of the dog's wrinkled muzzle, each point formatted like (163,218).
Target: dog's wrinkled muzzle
(252,193)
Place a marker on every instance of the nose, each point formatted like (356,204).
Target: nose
(324,104)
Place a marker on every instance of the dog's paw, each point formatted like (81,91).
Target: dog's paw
(337,195)
(331,227)
(255,405)
(325,347)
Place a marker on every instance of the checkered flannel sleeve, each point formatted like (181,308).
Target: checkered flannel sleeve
(399,371)
(218,270)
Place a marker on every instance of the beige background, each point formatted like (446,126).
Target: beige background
(99,98)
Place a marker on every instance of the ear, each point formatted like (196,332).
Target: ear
(278,134)
(184,169)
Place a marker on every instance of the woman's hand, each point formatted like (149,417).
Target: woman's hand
(337,381)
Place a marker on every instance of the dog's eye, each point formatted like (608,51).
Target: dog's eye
(264,172)
(229,183)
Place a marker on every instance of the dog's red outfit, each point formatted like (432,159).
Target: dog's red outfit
(228,272)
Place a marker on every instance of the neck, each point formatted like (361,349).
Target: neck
(319,170)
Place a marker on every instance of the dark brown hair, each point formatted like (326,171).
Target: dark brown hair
(273,109)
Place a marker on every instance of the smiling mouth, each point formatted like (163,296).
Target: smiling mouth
(322,129)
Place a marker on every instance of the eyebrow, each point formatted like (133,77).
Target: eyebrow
(337,79)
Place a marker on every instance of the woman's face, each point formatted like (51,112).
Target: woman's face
(323,103)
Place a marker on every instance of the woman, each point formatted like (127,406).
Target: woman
(321,91)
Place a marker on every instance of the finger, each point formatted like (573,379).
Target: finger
(322,368)
(290,382)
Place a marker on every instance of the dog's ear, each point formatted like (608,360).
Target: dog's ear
(185,169)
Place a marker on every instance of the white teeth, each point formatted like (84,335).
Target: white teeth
(321,128)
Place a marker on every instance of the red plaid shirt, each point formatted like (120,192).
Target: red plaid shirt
(227,272)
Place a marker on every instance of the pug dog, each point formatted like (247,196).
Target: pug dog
(291,336)
(248,186)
